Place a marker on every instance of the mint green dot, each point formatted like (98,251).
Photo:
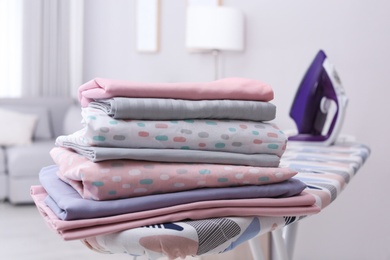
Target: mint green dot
(161,138)
(255,132)
(98,138)
(204,171)
(97,183)
(113,122)
(146,181)
(219,145)
(174,121)
(273,146)
(112,192)
(223,179)
(92,117)
(189,121)
(211,123)
(141,124)
(185,147)
(232,129)
(264,178)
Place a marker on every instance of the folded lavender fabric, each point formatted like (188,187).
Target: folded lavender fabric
(169,109)
(67,203)
(300,205)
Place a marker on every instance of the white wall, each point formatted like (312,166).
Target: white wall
(282,38)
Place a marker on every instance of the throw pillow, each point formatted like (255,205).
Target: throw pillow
(43,126)
(16,128)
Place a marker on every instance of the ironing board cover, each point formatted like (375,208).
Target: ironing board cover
(325,170)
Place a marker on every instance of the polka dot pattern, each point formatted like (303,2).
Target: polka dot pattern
(247,137)
(143,134)
(108,180)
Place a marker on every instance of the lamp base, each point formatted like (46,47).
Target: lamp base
(216,54)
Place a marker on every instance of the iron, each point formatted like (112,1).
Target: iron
(320,104)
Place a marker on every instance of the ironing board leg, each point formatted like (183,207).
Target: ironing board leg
(284,242)
(254,245)
(279,245)
(290,234)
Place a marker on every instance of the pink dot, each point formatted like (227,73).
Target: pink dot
(179,139)
(202,145)
(161,125)
(244,126)
(272,135)
(143,134)
(257,141)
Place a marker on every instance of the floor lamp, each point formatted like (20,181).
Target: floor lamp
(214,29)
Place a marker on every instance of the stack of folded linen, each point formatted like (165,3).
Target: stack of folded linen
(153,153)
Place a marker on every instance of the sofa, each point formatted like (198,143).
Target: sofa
(27,134)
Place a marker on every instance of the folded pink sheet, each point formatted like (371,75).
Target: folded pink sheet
(228,88)
(325,170)
(116,179)
(301,205)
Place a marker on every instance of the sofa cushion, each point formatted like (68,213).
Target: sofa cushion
(16,128)
(56,107)
(42,129)
(28,160)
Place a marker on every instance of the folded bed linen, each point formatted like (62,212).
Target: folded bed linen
(97,154)
(186,238)
(169,109)
(228,88)
(248,137)
(324,183)
(118,179)
(67,203)
(300,205)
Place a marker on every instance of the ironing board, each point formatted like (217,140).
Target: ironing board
(326,170)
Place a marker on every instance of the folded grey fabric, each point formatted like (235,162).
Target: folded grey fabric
(166,109)
(97,154)
(67,203)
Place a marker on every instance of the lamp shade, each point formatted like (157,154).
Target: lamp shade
(214,28)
